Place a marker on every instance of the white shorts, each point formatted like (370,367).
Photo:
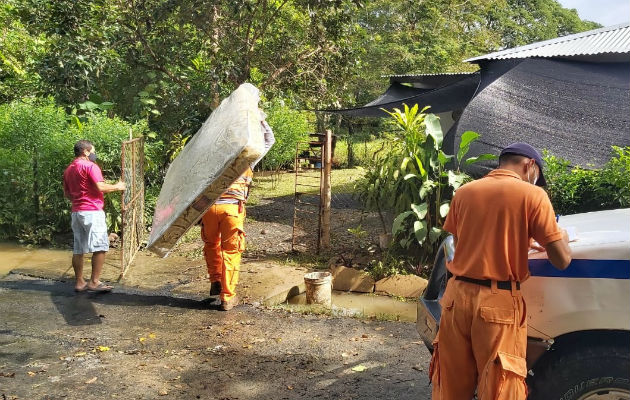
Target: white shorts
(90,232)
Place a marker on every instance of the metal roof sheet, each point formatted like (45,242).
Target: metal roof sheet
(612,39)
(423,75)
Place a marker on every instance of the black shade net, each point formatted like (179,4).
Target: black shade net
(453,96)
(576,110)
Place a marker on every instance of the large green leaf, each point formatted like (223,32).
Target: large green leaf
(444,207)
(456,179)
(409,176)
(467,138)
(434,129)
(403,164)
(420,209)
(434,234)
(420,230)
(398,222)
(423,171)
(444,158)
(427,188)
(482,157)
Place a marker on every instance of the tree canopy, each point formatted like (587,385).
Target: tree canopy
(171,61)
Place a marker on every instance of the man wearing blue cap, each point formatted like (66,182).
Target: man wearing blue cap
(482,338)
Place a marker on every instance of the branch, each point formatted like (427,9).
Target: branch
(278,71)
(139,36)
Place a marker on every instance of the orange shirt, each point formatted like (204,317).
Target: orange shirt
(493,219)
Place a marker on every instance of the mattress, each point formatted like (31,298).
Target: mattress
(228,142)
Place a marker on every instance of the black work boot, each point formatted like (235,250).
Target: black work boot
(215,288)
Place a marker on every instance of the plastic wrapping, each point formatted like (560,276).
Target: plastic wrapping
(222,150)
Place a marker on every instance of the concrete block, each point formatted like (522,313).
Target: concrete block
(401,285)
(351,280)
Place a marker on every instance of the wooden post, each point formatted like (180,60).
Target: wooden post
(324,215)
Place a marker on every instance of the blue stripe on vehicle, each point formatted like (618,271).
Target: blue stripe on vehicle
(611,269)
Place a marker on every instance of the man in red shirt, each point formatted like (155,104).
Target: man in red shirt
(84,185)
(482,338)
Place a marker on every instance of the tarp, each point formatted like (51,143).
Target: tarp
(223,148)
(453,96)
(576,110)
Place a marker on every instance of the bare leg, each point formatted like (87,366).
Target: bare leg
(77,265)
(98,258)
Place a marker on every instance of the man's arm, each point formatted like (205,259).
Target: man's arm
(559,253)
(66,194)
(270,139)
(107,188)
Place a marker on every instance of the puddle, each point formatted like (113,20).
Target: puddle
(368,305)
(13,256)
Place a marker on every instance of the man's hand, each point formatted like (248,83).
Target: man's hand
(107,188)
(559,252)
(533,245)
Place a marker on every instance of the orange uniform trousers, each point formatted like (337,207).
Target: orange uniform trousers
(224,242)
(481,344)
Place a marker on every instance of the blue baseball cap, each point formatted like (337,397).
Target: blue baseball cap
(523,149)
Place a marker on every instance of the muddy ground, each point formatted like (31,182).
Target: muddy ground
(55,344)
(269,230)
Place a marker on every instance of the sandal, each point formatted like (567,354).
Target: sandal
(81,289)
(100,288)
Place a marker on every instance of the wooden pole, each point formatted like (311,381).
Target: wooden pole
(324,237)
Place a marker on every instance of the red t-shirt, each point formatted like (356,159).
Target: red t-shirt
(79,182)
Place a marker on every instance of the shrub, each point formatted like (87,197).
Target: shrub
(36,143)
(577,189)
(289,127)
(413,180)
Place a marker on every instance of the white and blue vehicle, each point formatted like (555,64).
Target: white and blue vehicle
(578,319)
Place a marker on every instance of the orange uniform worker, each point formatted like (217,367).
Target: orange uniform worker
(482,338)
(223,234)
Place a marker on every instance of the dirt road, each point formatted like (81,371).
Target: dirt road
(58,345)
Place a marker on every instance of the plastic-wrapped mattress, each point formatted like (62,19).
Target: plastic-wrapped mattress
(223,148)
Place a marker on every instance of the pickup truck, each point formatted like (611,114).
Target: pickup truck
(578,319)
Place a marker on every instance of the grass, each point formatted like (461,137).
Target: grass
(268,185)
(312,261)
(364,151)
(192,235)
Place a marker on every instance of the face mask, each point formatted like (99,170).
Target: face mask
(92,157)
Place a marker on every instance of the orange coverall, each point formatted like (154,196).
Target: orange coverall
(482,339)
(224,237)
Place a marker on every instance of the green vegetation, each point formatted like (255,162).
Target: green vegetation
(267,185)
(364,151)
(36,144)
(576,189)
(289,127)
(73,69)
(416,182)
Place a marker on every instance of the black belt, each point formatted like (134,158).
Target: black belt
(505,285)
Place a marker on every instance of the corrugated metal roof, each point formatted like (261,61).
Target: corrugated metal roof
(612,39)
(423,75)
